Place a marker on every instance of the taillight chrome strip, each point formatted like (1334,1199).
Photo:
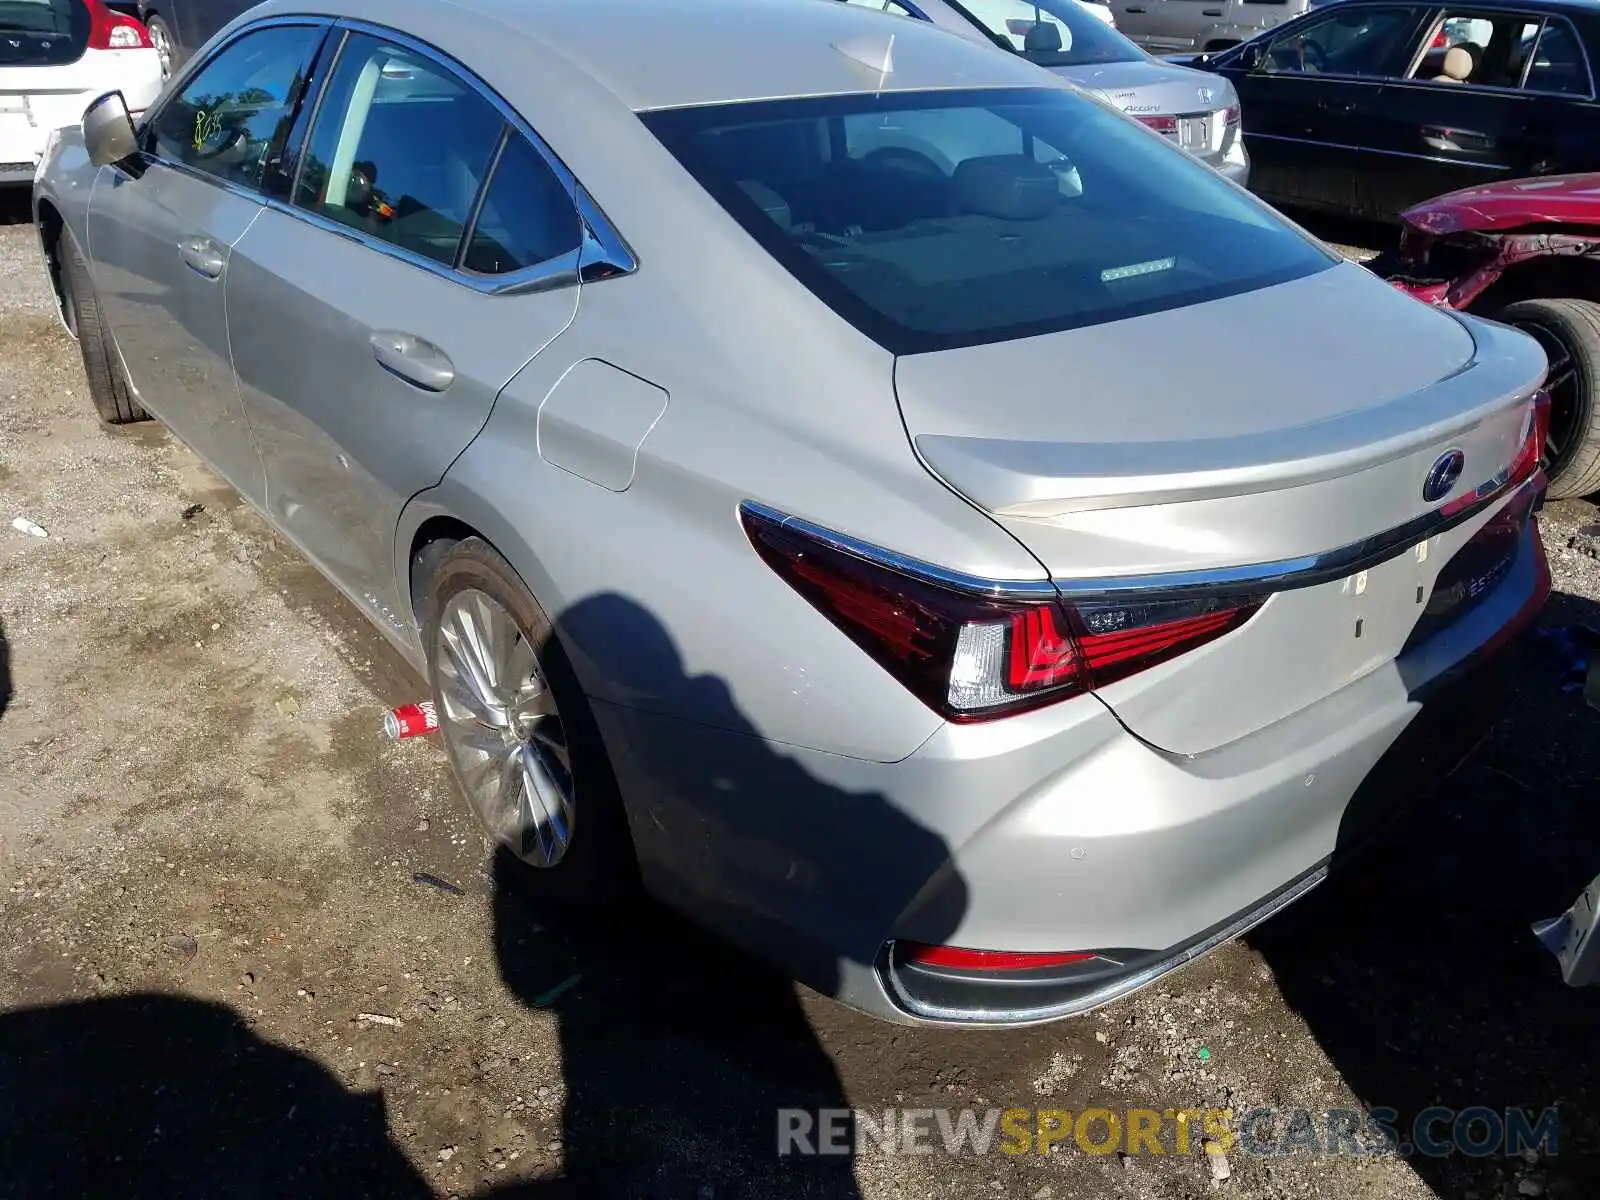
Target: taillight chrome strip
(1007,589)
(1282,575)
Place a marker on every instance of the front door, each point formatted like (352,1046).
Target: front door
(375,320)
(162,231)
(1309,103)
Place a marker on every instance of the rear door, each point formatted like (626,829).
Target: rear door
(426,253)
(1309,104)
(1524,98)
(162,232)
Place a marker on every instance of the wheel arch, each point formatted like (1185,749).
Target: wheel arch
(1571,277)
(51,225)
(440,518)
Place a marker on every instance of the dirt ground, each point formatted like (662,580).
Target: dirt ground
(222,975)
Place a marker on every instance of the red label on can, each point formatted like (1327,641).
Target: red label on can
(410,720)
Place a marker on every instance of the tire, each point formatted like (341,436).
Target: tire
(107,386)
(597,864)
(1569,331)
(166,45)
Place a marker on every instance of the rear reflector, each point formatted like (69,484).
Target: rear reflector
(973,657)
(955,958)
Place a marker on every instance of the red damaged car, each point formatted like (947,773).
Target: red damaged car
(1526,252)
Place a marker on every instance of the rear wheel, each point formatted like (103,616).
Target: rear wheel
(107,386)
(161,39)
(518,730)
(1569,332)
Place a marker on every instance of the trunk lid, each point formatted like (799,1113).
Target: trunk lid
(1148,88)
(1122,450)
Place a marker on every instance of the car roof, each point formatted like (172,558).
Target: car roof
(653,55)
(1474,8)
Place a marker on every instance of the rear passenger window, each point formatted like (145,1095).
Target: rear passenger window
(1557,63)
(231,117)
(527,216)
(399,150)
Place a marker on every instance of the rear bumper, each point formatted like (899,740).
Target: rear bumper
(1056,830)
(57,96)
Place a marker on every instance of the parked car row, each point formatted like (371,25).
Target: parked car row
(778,440)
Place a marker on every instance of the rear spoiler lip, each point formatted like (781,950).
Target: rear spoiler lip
(1041,480)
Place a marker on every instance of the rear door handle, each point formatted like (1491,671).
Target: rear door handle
(1338,106)
(202,256)
(418,362)
(1131,9)
(1210,12)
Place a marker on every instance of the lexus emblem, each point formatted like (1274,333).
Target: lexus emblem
(1442,476)
(1205,95)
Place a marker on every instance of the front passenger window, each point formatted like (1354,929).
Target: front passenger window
(400,148)
(232,116)
(1358,41)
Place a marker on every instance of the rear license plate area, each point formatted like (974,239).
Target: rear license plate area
(1194,133)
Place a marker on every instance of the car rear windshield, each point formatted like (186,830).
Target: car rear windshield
(42,33)
(1052,33)
(931,220)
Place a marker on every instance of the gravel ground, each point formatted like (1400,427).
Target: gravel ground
(224,978)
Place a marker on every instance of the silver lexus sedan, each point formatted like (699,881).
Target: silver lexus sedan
(850,552)
(1198,110)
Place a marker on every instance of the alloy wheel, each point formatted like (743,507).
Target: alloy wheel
(163,44)
(502,729)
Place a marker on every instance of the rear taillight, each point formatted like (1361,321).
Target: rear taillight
(1161,123)
(972,656)
(1231,115)
(1535,432)
(113,30)
(958,959)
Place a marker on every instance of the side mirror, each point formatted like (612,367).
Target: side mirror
(108,130)
(1043,37)
(1252,56)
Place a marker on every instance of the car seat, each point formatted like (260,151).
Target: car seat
(1457,66)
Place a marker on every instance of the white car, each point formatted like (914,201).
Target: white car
(55,57)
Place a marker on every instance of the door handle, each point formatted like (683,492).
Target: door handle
(1210,12)
(1338,106)
(1132,9)
(202,256)
(418,362)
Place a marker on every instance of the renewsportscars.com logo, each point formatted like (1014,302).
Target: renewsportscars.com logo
(1434,1132)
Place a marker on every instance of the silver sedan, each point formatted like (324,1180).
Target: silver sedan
(1197,110)
(777,438)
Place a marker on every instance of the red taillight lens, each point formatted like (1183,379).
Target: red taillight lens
(1161,123)
(972,657)
(1535,432)
(1231,115)
(113,30)
(958,959)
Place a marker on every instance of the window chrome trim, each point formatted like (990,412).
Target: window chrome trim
(1282,575)
(598,228)
(601,254)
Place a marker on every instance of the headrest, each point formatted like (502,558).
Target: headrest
(1457,64)
(774,205)
(1010,186)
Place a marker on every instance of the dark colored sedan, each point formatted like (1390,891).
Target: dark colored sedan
(1367,107)
(180,27)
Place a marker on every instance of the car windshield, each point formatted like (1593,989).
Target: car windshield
(939,219)
(1052,33)
(42,32)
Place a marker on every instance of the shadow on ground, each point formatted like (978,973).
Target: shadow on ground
(677,1050)
(1414,965)
(5,671)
